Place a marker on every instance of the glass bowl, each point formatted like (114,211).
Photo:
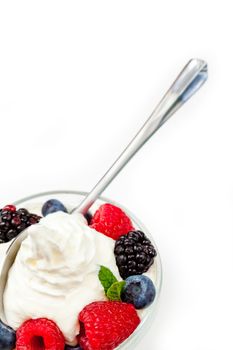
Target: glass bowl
(71,199)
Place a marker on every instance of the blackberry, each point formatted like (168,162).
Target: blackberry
(13,221)
(134,254)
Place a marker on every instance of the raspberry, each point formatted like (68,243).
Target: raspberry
(13,221)
(106,324)
(9,207)
(111,221)
(134,254)
(39,334)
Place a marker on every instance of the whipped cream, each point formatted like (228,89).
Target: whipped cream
(55,273)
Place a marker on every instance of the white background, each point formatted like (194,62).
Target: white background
(77,80)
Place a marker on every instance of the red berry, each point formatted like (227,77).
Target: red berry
(106,324)
(111,221)
(9,207)
(16,220)
(39,334)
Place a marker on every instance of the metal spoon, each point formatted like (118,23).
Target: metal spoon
(191,78)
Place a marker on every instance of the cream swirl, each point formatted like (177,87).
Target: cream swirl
(55,273)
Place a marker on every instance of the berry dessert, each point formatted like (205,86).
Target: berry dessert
(77,282)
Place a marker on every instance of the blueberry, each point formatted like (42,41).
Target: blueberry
(88,217)
(7,337)
(69,347)
(139,290)
(51,206)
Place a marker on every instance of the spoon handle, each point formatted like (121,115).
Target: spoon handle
(191,78)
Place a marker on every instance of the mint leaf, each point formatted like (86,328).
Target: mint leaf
(114,292)
(106,278)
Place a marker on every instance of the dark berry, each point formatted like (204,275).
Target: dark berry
(69,347)
(11,234)
(4,226)
(52,206)
(88,217)
(23,211)
(139,291)
(13,222)
(134,254)
(32,219)
(7,337)
(121,259)
(22,227)
(119,249)
(6,215)
(16,220)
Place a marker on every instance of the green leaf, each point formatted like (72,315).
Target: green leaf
(114,292)
(106,278)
